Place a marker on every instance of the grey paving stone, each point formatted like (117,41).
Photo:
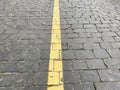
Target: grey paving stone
(103,29)
(7,79)
(68,87)
(89,26)
(68,54)
(83,35)
(77,26)
(11,88)
(114,53)
(109,75)
(84,54)
(71,77)
(73,35)
(80,30)
(109,34)
(67,65)
(12,66)
(102,25)
(5,55)
(44,55)
(112,63)
(78,65)
(115,45)
(107,86)
(114,29)
(89,76)
(96,35)
(80,40)
(40,78)
(105,45)
(108,40)
(43,65)
(91,30)
(117,39)
(95,64)
(31,88)
(29,66)
(95,40)
(118,32)
(24,79)
(101,53)
(75,46)
(91,46)
(84,86)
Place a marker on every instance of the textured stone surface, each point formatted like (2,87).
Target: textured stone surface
(90,35)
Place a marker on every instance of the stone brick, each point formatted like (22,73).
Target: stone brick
(89,76)
(78,65)
(99,53)
(84,54)
(84,86)
(112,63)
(95,64)
(71,77)
(107,86)
(109,75)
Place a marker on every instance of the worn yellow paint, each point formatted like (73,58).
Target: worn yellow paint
(55,73)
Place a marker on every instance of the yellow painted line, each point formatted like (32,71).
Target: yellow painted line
(55,73)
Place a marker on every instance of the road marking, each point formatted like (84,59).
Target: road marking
(55,73)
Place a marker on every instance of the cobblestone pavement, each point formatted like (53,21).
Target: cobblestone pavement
(25,30)
(90,43)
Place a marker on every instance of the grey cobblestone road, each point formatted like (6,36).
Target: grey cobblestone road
(25,29)
(90,43)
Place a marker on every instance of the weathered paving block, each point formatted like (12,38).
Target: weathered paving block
(107,86)
(84,86)
(91,46)
(101,53)
(79,40)
(109,75)
(75,46)
(108,40)
(114,53)
(24,79)
(43,65)
(96,35)
(83,35)
(32,88)
(68,54)
(102,25)
(89,26)
(103,29)
(95,64)
(80,30)
(11,88)
(84,54)
(105,45)
(7,79)
(91,30)
(109,34)
(29,66)
(67,66)
(68,87)
(6,66)
(89,76)
(112,63)
(78,65)
(116,45)
(40,78)
(95,40)
(71,77)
